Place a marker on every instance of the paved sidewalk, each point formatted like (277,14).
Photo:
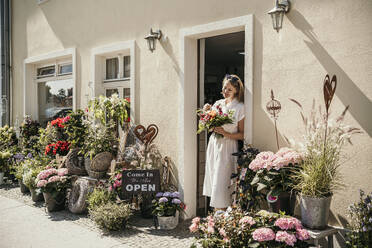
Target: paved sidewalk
(25,224)
(22,226)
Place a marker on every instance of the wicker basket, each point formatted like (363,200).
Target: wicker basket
(74,166)
(101,162)
(96,174)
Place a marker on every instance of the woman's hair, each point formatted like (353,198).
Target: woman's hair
(235,81)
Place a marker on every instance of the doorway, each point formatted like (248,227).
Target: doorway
(218,56)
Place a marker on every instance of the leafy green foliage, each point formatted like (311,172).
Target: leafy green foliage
(76,128)
(99,196)
(111,216)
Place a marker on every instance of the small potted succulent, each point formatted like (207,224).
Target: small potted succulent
(166,207)
(53,183)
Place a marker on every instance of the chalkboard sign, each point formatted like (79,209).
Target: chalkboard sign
(136,182)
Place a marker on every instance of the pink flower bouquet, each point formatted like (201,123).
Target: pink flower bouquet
(53,181)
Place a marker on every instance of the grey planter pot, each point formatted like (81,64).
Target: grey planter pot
(1,178)
(168,222)
(315,211)
(23,187)
(52,204)
(36,197)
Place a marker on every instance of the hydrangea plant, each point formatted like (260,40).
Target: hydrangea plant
(167,203)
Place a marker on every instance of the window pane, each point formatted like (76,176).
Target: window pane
(126,66)
(55,99)
(110,92)
(126,93)
(112,68)
(46,71)
(65,69)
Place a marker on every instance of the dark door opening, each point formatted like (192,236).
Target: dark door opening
(218,56)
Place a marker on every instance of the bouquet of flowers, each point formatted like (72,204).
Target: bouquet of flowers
(211,118)
(275,172)
(235,228)
(167,204)
(53,181)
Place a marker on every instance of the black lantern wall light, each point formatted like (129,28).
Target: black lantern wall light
(277,13)
(151,39)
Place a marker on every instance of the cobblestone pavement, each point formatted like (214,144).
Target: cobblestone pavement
(140,233)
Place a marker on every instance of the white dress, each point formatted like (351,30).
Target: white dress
(220,164)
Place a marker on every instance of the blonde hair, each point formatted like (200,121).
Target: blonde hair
(235,82)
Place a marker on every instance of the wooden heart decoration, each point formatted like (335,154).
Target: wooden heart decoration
(146,135)
(329,89)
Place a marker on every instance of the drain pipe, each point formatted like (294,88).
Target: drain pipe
(5,63)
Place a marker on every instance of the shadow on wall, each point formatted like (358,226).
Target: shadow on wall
(263,125)
(347,90)
(167,46)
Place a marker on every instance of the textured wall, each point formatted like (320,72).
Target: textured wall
(318,37)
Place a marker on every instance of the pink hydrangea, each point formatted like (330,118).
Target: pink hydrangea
(41,183)
(288,223)
(193,228)
(47,173)
(302,234)
(279,162)
(294,157)
(54,179)
(62,172)
(283,236)
(196,220)
(263,160)
(283,151)
(263,234)
(247,220)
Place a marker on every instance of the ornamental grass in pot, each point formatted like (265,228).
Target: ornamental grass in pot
(319,176)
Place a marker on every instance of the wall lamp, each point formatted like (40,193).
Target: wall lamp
(277,13)
(152,37)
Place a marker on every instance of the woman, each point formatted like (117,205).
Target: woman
(220,164)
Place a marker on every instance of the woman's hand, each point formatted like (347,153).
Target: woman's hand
(220,130)
(207,107)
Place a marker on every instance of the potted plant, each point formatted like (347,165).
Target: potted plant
(21,165)
(319,176)
(166,207)
(274,175)
(4,158)
(360,235)
(32,169)
(53,183)
(29,136)
(237,228)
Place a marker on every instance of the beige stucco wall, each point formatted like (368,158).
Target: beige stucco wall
(318,37)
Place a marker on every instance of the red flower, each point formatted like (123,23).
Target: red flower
(127,99)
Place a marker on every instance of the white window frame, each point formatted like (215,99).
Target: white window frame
(30,82)
(98,73)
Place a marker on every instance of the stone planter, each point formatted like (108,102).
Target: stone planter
(168,222)
(1,178)
(23,187)
(315,211)
(36,197)
(52,204)
(285,202)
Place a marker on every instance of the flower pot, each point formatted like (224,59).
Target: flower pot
(52,204)
(315,211)
(23,187)
(285,202)
(168,222)
(1,178)
(36,196)
(101,162)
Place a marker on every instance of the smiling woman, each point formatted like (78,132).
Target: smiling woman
(55,99)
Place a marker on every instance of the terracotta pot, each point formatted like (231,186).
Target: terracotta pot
(52,204)
(285,202)
(168,222)
(315,211)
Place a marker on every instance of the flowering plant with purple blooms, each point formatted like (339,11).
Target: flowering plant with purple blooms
(237,228)
(361,224)
(167,203)
(53,181)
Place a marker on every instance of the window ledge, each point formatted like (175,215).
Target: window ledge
(116,80)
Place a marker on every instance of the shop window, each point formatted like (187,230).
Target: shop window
(126,66)
(65,69)
(55,99)
(47,71)
(112,68)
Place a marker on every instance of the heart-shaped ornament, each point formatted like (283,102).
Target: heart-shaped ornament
(329,89)
(146,135)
